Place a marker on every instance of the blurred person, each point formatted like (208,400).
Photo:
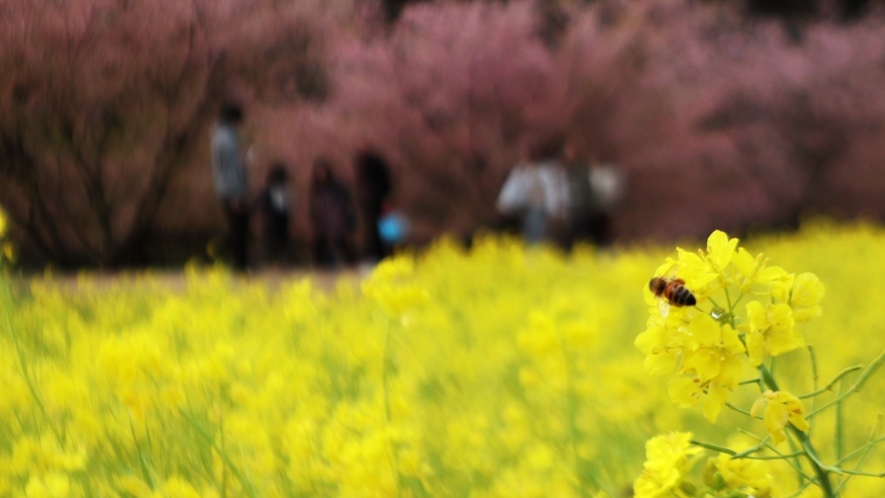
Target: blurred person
(331,216)
(231,181)
(373,191)
(593,191)
(537,191)
(608,182)
(274,207)
(586,221)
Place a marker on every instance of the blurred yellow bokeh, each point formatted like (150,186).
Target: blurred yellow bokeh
(502,371)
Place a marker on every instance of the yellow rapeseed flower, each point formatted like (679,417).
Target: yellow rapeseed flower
(807,293)
(743,475)
(780,408)
(661,357)
(755,271)
(540,340)
(176,487)
(720,250)
(668,458)
(715,349)
(391,286)
(134,486)
(50,485)
(771,331)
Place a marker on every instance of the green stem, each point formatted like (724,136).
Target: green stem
(221,445)
(860,473)
(801,489)
(759,447)
(786,458)
(385,374)
(742,411)
(767,378)
(141,461)
(803,479)
(840,433)
(730,310)
(820,470)
(866,453)
(858,384)
(714,447)
(23,364)
(210,440)
(812,358)
(572,414)
(736,301)
(385,367)
(757,380)
(867,447)
(747,453)
(830,385)
(776,457)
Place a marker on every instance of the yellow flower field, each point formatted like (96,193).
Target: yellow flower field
(502,372)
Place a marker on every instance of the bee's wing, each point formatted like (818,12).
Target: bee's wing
(668,270)
(671,272)
(663,307)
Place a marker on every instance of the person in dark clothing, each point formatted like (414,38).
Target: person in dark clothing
(373,192)
(274,209)
(331,216)
(588,220)
(595,191)
(231,181)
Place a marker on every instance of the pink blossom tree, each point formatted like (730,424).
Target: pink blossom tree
(103,101)
(720,120)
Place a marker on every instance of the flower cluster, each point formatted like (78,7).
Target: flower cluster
(745,308)
(669,459)
(449,373)
(392,287)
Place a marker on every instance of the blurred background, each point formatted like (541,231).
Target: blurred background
(741,115)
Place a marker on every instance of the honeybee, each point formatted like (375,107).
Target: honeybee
(672,290)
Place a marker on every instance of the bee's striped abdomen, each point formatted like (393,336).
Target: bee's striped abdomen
(682,297)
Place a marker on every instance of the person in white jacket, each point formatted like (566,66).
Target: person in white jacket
(537,191)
